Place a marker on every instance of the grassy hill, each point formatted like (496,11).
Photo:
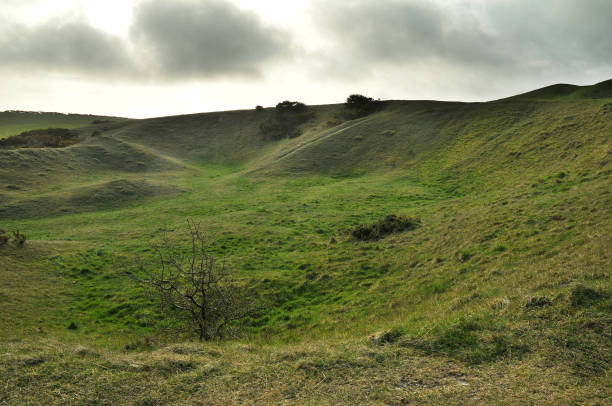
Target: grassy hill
(600,90)
(15,122)
(502,293)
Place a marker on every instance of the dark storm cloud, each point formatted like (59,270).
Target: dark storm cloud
(62,46)
(205,38)
(517,36)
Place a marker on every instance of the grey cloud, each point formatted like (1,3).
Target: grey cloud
(565,33)
(176,40)
(520,37)
(400,31)
(205,38)
(63,46)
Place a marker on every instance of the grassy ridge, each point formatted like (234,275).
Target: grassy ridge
(501,292)
(15,122)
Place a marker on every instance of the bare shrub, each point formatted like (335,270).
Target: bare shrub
(197,288)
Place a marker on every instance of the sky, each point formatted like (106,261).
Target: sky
(148,58)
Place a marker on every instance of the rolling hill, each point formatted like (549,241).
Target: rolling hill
(14,122)
(502,293)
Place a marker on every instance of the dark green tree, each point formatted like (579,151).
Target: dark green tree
(358,105)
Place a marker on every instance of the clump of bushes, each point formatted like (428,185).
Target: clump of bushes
(49,138)
(18,238)
(358,105)
(390,224)
(285,122)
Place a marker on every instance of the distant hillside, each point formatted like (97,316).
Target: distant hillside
(465,145)
(15,122)
(600,90)
(433,140)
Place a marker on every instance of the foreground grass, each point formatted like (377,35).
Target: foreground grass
(349,372)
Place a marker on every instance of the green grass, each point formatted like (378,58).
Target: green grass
(501,295)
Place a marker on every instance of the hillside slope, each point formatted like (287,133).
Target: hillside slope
(524,132)
(500,293)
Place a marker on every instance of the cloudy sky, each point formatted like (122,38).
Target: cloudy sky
(144,58)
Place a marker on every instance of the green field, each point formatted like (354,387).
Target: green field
(502,294)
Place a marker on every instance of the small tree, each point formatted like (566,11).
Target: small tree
(359,105)
(286,121)
(290,106)
(197,288)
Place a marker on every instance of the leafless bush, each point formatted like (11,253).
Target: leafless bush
(197,287)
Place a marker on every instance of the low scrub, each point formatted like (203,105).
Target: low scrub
(49,138)
(388,225)
(18,238)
